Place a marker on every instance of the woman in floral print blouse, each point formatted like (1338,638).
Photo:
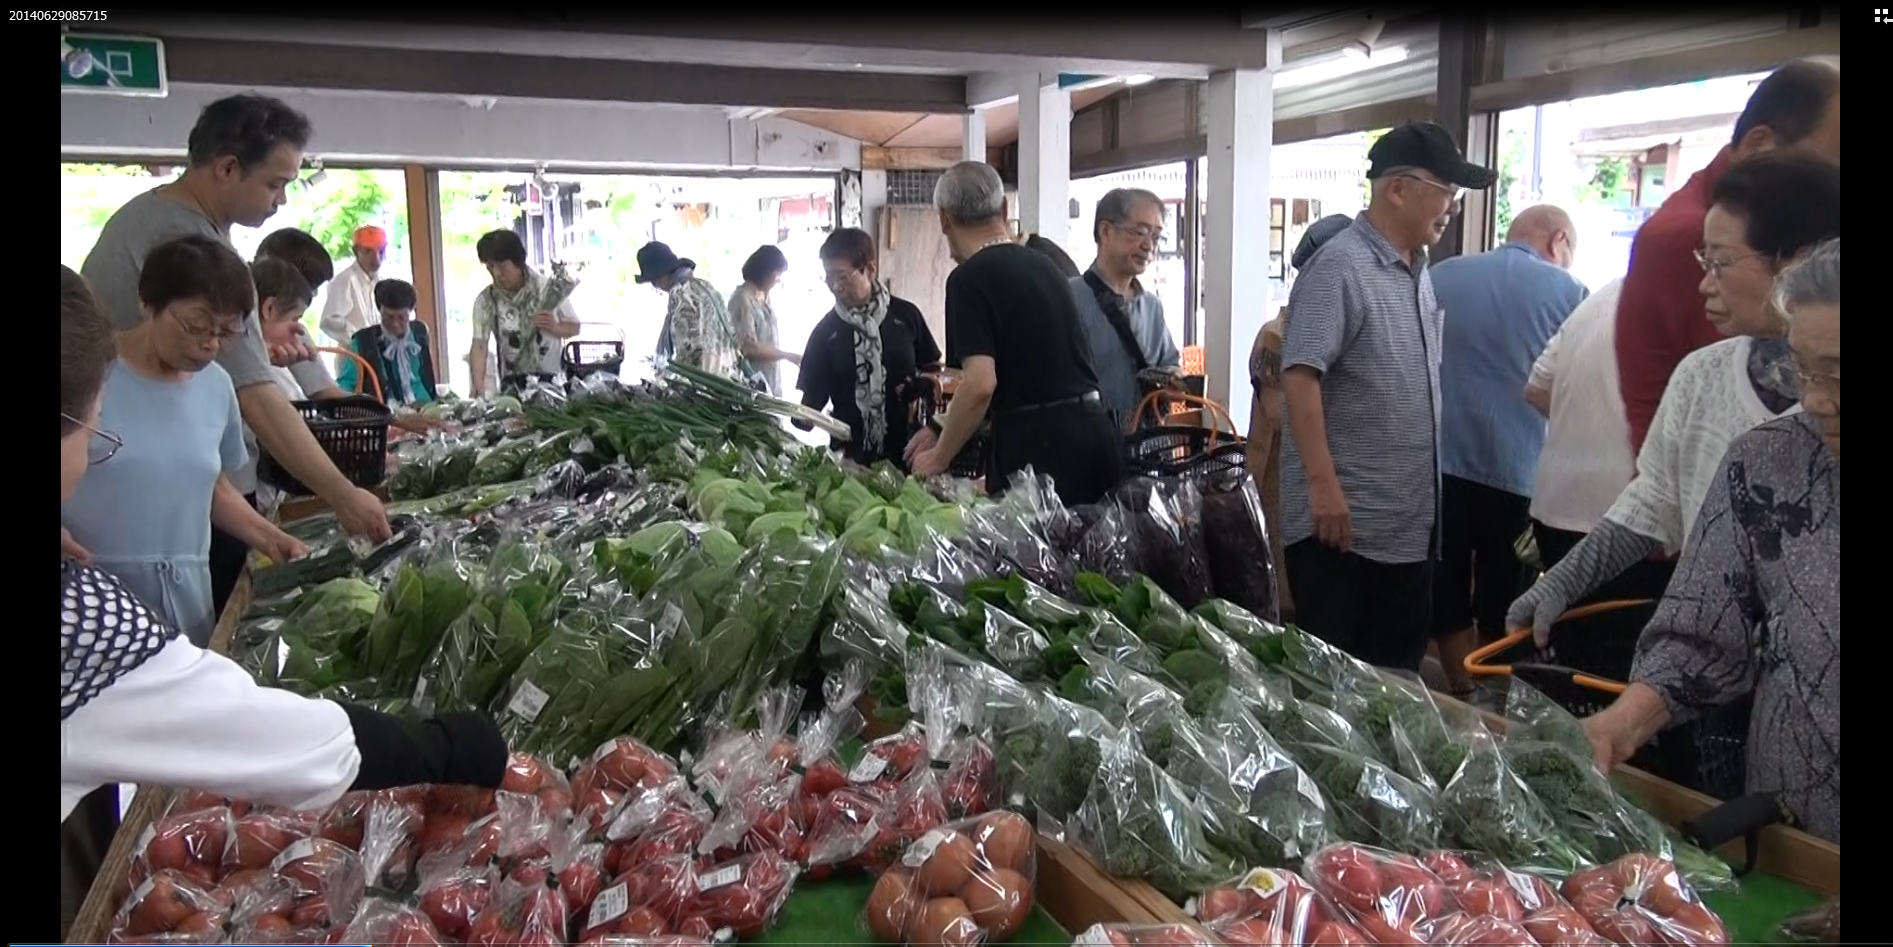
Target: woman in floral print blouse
(1754,607)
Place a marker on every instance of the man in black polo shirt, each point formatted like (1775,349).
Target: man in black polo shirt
(1012,330)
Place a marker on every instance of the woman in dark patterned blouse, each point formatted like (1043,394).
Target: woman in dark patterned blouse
(1754,607)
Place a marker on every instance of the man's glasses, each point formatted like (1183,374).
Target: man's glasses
(101,446)
(1458,194)
(1143,232)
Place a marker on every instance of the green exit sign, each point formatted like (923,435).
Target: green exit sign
(114,65)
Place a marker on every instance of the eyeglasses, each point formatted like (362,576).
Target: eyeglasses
(1715,265)
(1458,194)
(101,446)
(203,330)
(1142,232)
(1827,383)
(836,278)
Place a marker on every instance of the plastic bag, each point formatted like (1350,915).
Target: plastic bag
(1370,803)
(193,840)
(965,882)
(169,908)
(578,866)
(328,880)
(1168,516)
(1393,898)
(264,909)
(1273,908)
(1489,809)
(1236,539)
(522,913)
(1820,925)
(429,589)
(1406,726)
(1640,899)
(1010,531)
(1486,889)
(647,900)
(1111,545)
(455,896)
(1139,822)
(514,601)
(742,895)
(617,769)
(1142,935)
(387,852)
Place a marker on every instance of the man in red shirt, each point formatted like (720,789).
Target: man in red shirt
(1660,316)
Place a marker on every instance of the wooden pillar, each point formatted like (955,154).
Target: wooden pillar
(423,193)
(1468,56)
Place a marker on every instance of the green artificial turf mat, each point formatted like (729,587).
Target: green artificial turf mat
(829,912)
(1753,913)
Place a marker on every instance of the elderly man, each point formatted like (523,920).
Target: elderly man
(1124,325)
(1660,318)
(1502,308)
(1012,329)
(1360,361)
(244,151)
(351,304)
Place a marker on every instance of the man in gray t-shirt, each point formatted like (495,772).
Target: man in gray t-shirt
(244,152)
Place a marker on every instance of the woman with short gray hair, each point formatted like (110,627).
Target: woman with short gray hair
(1754,607)
(1012,329)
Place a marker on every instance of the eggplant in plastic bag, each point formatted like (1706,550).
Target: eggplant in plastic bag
(1241,564)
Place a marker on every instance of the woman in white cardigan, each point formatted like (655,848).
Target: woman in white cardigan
(1763,213)
(138,703)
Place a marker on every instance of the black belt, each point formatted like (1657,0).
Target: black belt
(1089,397)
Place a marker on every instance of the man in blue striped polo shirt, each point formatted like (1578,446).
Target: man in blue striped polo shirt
(1360,360)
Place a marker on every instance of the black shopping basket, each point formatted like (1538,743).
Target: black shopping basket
(970,462)
(1200,452)
(583,358)
(353,432)
(1582,668)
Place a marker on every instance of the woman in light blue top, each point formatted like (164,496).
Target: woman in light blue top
(146,517)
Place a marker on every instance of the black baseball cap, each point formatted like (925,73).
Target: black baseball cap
(1429,147)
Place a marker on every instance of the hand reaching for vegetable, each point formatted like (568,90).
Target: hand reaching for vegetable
(282,547)
(922,441)
(70,547)
(1612,741)
(362,514)
(928,463)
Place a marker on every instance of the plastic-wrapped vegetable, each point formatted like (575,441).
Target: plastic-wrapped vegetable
(1489,809)
(1139,822)
(1142,935)
(316,644)
(1168,516)
(1274,908)
(169,908)
(1369,802)
(1392,897)
(515,602)
(1236,538)
(1494,894)
(1640,899)
(966,882)
(743,895)
(1406,726)
(425,595)
(1821,925)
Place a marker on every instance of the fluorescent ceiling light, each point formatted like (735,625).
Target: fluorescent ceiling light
(1137,80)
(1352,60)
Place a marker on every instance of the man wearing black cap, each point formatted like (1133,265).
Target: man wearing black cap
(1360,361)
(697,330)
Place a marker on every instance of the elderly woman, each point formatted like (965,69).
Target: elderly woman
(697,331)
(754,320)
(864,357)
(194,294)
(519,315)
(1763,213)
(1753,610)
(139,703)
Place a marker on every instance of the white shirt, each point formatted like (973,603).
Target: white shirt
(351,304)
(1586,461)
(1710,402)
(192,718)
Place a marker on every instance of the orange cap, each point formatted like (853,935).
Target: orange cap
(372,237)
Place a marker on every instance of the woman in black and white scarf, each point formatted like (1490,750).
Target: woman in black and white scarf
(866,355)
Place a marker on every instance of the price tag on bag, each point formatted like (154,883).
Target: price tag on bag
(528,701)
(867,769)
(610,905)
(289,856)
(726,875)
(1262,881)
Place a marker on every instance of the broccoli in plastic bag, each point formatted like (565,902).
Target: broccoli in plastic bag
(1138,822)
(1489,809)
(1370,803)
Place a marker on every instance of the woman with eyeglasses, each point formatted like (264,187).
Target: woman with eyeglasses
(1753,611)
(146,517)
(138,703)
(1764,213)
(865,357)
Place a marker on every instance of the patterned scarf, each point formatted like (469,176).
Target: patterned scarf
(870,374)
(523,349)
(400,352)
(1771,370)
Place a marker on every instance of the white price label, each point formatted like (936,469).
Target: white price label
(1262,881)
(1527,892)
(868,769)
(528,700)
(291,855)
(671,620)
(610,905)
(922,849)
(144,888)
(1093,936)
(420,690)
(144,839)
(604,749)
(726,875)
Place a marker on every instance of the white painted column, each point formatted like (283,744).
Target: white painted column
(873,201)
(973,136)
(1240,107)
(1045,158)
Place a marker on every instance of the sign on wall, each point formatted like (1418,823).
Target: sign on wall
(111,65)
